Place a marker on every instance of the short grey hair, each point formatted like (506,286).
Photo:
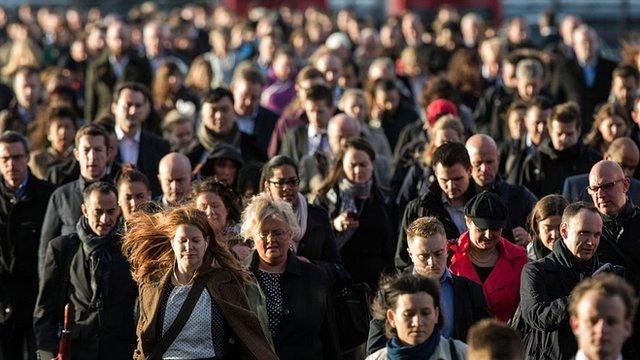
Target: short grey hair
(260,208)
(529,69)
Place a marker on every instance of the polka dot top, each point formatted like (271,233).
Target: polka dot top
(271,285)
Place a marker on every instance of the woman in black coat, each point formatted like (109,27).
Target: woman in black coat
(358,212)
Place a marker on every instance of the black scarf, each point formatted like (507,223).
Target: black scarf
(209,139)
(92,264)
(577,268)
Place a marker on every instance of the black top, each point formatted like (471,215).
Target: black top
(483,272)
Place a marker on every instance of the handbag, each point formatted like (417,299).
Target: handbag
(351,310)
(181,319)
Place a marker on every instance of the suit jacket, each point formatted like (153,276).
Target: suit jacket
(265,122)
(575,189)
(469,307)
(101,81)
(569,85)
(296,143)
(318,243)
(152,149)
(228,294)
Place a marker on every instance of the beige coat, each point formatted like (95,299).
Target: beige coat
(442,351)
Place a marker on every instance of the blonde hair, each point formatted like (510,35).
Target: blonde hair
(261,207)
(23,53)
(446,122)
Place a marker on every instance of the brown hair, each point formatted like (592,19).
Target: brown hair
(491,340)
(161,88)
(229,197)
(565,113)
(605,285)
(147,245)
(92,130)
(550,205)
(199,76)
(45,119)
(130,174)
(336,173)
(464,72)
(608,110)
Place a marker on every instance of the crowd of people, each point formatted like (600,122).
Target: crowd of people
(296,184)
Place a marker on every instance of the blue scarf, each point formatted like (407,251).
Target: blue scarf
(396,351)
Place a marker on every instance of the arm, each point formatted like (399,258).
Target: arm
(537,308)
(376,340)
(330,342)
(45,315)
(479,305)
(51,227)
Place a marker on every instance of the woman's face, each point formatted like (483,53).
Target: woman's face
(442,136)
(516,125)
(283,184)
(549,230)
(61,134)
(354,106)
(213,206)
(387,101)
(612,128)
(272,241)
(357,166)
(189,245)
(131,196)
(414,318)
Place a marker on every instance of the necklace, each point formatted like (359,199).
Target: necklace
(175,277)
(489,261)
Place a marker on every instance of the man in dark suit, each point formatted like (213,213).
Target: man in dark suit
(586,79)
(624,152)
(308,138)
(253,120)
(137,146)
(462,302)
(118,63)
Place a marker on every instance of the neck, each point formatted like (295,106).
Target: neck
(129,131)
(483,257)
(90,178)
(13,185)
(457,202)
(273,268)
(184,274)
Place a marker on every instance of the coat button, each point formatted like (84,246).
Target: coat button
(286,311)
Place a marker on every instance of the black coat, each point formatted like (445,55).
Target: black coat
(152,149)
(489,116)
(513,153)
(369,250)
(546,169)
(469,307)
(429,204)
(20,225)
(108,333)
(318,243)
(307,329)
(519,201)
(393,124)
(101,81)
(265,122)
(568,84)
(544,299)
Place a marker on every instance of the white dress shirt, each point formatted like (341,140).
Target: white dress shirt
(128,147)
(317,140)
(582,356)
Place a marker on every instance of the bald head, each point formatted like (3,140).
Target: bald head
(483,153)
(341,128)
(174,173)
(625,152)
(608,187)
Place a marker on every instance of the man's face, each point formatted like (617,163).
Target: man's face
(535,121)
(484,166)
(283,184)
(610,193)
(175,181)
(61,133)
(92,155)
(453,180)
(564,136)
(600,325)
(387,101)
(612,127)
(331,67)
(102,211)
(128,109)
(339,135)
(318,113)
(582,234)
(509,75)
(13,163)
(152,39)
(483,239)
(528,88)
(225,171)
(302,87)
(27,89)
(429,255)
(246,97)
(584,45)
(117,39)
(628,160)
(624,89)
(220,116)
(132,196)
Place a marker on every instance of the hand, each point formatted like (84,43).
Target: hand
(241,251)
(521,236)
(342,222)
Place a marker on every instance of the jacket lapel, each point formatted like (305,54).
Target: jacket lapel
(150,296)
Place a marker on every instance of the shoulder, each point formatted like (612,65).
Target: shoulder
(317,212)
(577,180)
(41,185)
(512,251)
(443,351)
(153,138)
(468,283)
(378,355)
(267,114)
(64,243)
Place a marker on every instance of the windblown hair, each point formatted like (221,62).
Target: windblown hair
(261,207)
(147,245)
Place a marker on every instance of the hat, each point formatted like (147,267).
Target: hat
(487,211)
(225,151)
(438,108)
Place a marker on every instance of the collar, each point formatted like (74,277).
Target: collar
(580,355)
(445,201)
(446,276)
(592,64)
(312,131)
(121,135)
(505,248)
(293,265)
(124,60)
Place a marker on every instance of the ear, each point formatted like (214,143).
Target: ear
(391,318)
(113,107)
(564,230)
(573,323)
(83,207)
(76,153)
(626,183)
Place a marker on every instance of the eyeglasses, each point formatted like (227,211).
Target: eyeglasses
(283,183)
(593,189)
(275,234)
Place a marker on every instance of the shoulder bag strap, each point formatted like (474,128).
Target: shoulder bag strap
(452,350)
(181,319)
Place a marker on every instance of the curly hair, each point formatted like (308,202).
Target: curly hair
(147,245)
(229,197)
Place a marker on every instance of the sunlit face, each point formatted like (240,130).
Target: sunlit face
(331,67)
(600,325)
(582,234)
(283,67)
(92,154)
(354,106)
(564,136)
(175,181)
(516,126)
(482,239)
(189,245)
(388,101)
(283,184)
(535,122)
(213,205)
(318,113)
(585,46)
(357,166)
(549,230)
(624,89)
(611,195)
(528,88)
(61,134)
(484,166)
(612,128)
(13,163)
(414,318)
(219,117)
(272,241)
(132,196)
(27,89)
(183,133)
(128,109)
(117,39)
(509,75)
(101,210)
(453,180)
(246,96)
(442,136)
(429,255)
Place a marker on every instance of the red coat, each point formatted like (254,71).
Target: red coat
(502,287)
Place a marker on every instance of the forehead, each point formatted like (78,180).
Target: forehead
(12,148)
(185,230)
(98,200)
(208,197)
(602,174)
(412,301)
(558,126)
(223,102)
(91,140)
(586,220)
(594,304)
(430,243)
(450,171)
(273,222)
(130,95)
(284,171)
(355,155)
(132,187)
(243,85)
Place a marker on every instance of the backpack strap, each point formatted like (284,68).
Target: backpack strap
(452,350)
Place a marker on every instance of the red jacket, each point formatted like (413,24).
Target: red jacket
(502,287)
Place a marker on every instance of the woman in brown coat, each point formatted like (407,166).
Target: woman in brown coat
(171,253)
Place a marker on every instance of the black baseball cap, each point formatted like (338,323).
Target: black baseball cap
(487,211)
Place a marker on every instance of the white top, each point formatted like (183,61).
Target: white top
(128,147)
(582,356)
